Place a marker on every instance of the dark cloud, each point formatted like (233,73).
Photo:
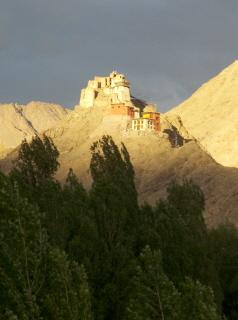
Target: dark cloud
(167,48)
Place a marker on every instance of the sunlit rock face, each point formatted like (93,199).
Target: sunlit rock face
(18,122)
(211,116)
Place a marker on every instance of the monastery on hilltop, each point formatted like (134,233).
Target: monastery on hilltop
(113,93)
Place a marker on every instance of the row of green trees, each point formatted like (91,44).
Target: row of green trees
(68,253)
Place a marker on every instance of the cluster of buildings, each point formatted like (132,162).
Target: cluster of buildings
(113,92)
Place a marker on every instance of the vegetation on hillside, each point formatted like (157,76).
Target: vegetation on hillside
(68,253)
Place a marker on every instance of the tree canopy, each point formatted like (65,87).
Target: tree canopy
(77,254)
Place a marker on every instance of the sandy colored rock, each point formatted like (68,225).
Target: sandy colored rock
(211,116)
(43,115)
(18,122)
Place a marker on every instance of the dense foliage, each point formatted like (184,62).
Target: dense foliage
(68,253)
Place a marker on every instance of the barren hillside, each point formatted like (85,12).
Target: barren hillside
(155,159)
(211,116)
(23,121)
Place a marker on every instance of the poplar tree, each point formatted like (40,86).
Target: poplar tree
(23,252)
(37,281)
(153,295)
(224,249)
(67,295)
(37,161)
(76,205)
(114,209)
(197,301)
(183,236)
(34,170)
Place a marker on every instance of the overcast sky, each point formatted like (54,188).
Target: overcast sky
(167,48)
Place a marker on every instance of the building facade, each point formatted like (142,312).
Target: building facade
(114,89)
(113,93)
(149,120)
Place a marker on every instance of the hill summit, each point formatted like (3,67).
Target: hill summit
(112,93)
(211,116)
(18,122)
(160,146)
(159,154)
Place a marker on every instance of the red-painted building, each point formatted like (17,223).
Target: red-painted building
(149,119)
(122,109)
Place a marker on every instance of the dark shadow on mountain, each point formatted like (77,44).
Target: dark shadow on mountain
(175,137)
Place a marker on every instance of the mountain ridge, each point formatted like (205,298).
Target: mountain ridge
(18,122)
(211,116)
(174,153)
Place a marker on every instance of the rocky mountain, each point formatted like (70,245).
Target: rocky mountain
(23,121)
(156,160)
(211,116)
(158,157)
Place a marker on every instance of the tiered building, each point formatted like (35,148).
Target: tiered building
(113,93)
(148,120)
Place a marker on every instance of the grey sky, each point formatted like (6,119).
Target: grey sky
(167,48)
